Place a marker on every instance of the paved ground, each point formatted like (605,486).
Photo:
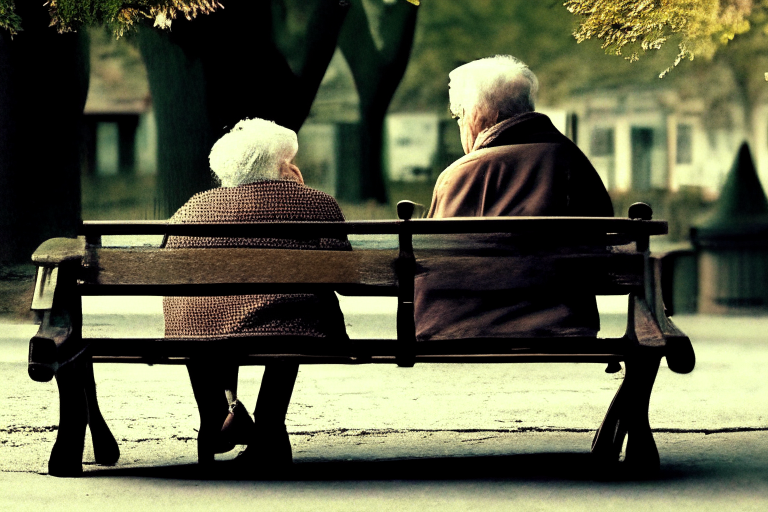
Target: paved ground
(435,437)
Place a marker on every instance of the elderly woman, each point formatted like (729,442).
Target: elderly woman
(516,164)
(258,183)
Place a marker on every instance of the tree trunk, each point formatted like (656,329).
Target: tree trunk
(377,71)
(371,178)
(207,74)
(43,87)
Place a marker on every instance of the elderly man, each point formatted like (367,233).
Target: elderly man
(516,164)
(258,183)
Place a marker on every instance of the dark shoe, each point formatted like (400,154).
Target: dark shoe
(238,428)
(270,455)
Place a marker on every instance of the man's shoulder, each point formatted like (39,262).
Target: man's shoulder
(481,156)
(504,155)
(478,165)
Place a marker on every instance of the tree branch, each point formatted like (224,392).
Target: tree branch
(398,31)
(377,71)
(323,31)
(356,40)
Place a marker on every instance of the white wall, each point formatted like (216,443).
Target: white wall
(146,143)
(107,142)
(713,151)
(411,145)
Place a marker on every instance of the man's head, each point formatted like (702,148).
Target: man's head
(255,150)
(487,91)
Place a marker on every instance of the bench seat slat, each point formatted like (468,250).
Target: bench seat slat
(288,346)
(261,359)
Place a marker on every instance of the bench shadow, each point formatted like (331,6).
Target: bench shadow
(543,466)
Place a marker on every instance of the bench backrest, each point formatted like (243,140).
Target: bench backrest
(594,255)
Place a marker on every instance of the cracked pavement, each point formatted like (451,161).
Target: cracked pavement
(478,436)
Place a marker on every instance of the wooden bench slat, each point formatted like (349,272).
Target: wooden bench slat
(521,225)
(234,271)
(288,345)
(601,274)
(262,350)
(489,244)
(256,359)
(241,271)
(215,290)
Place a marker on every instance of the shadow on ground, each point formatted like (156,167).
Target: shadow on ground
(524,467)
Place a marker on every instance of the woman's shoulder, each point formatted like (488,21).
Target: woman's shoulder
(274,199)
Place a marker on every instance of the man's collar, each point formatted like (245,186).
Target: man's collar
(486,137)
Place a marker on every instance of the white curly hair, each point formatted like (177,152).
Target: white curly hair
(252,151)
(500,85)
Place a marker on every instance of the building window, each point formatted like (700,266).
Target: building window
(601,142)
(642,157)
(684,144)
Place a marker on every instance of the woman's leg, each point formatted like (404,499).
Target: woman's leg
(230,385)
(238,427)
(208,386)
(275,394)
(272,444)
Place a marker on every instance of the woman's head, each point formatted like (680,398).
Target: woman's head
(254,150)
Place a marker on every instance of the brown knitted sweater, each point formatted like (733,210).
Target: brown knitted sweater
(256,315)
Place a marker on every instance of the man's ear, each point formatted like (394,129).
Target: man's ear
(472,123)
(289,171)
(476,123)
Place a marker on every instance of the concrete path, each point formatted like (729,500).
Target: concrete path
(435,437)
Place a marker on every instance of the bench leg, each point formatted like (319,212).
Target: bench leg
(105,449)
(642,455)
(208,386)
(609,438)
(628,417)
(67,454)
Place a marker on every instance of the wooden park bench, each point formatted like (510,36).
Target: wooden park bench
(601,256)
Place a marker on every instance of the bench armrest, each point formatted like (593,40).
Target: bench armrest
(57,307)
(652,326)
(680,355)
(58,250)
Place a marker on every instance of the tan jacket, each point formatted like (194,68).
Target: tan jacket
(520,167)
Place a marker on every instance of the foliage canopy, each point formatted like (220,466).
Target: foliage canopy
(625,27)
(118,15)
(637,26)
(9,20)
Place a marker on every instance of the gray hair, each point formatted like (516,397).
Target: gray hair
(252,151)
(500,85)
